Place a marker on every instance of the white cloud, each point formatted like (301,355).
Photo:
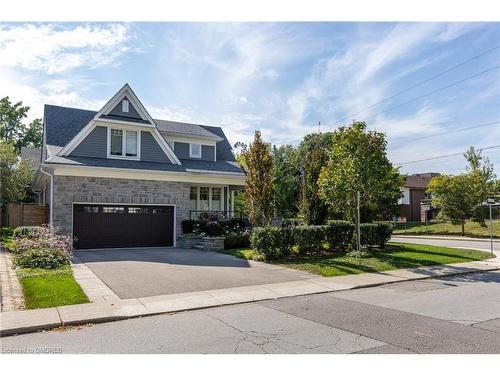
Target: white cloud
(57,92)
(55,49)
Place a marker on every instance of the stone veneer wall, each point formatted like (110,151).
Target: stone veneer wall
(70,189)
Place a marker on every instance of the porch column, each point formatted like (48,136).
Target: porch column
(232,203)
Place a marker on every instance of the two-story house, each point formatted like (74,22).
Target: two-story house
(414,194)
(119,178)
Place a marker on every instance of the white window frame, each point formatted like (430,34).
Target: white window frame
(124,143)
(191,154)
(125,106)
(210,187)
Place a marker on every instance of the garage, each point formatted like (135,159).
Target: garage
(108,226)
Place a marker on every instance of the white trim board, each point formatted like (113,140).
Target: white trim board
(139,174)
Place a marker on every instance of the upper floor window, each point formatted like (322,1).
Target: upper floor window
(195,150)
(125,106)
(124,143)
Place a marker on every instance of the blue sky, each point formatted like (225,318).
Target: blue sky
(281,78)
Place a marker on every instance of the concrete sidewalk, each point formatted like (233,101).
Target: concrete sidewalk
(24,321)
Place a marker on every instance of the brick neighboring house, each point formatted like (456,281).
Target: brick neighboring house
(414,192)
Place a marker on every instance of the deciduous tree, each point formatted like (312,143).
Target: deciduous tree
(312,157)
(285,181)
(15,175)
(358,162)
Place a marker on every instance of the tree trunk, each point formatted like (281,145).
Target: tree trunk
(463,228)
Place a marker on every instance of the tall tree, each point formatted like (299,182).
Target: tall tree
(460,197)
(15,175)
(32,136)
(12,128)
(358,162)
(455,195)
(258,182)
(312,156)
(285,181)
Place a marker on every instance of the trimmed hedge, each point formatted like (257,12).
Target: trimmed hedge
(309,238)
(274,242)
(375,234)
(339,234)
(237,241)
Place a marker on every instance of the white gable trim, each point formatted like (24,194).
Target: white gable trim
(82,134)
(118,97)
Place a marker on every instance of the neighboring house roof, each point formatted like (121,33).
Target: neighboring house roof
(32,155)
(62,124)
(420,180)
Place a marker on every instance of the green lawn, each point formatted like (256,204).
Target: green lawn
(394,256)
(471,229)
(50,288)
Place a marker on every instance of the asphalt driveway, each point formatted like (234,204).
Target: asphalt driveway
(143,272)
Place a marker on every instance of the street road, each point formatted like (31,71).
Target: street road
(460,244)
(459,314)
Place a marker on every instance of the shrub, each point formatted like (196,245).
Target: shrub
(339,234)
(224,227)
(29,232)
(47,258)
(309,239)
(237,241)
(375,234)
(384,232)
(267,242)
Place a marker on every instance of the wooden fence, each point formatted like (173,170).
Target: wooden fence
(19,214)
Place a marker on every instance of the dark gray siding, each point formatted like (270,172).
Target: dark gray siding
(132,112)
(151,150)
(181,149)
(94,145)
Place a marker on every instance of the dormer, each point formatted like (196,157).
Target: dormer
(122,129)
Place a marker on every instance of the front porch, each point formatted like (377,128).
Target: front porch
(207,201)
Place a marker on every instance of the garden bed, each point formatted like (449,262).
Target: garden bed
(394,256)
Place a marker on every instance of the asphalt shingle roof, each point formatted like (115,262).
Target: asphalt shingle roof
(62,124)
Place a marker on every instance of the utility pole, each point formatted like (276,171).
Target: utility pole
(358,227)
(319,126)
(491,230)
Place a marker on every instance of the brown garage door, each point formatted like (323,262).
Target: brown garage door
(96,226)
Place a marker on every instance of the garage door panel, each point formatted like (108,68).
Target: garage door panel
(122,226)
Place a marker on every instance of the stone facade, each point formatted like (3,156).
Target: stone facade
(72,189)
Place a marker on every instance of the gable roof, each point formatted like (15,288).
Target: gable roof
(62,124)
(419,181)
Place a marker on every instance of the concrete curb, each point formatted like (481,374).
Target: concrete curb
(445,238)
(26,321)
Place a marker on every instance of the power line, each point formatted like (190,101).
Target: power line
(444,133)
(434,91)
(420,83)
(443,156)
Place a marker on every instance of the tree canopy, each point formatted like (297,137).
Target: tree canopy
(312,157)
(12,128)
(15,175)
(460,197)
(285,180)
(258,189)
(358,162)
